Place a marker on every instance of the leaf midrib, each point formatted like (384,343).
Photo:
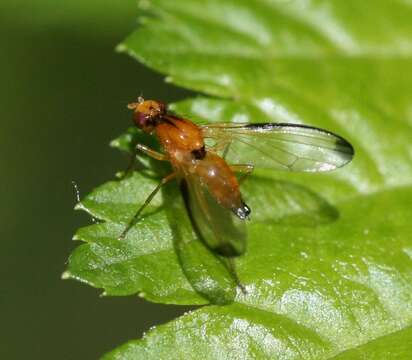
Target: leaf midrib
(270,58)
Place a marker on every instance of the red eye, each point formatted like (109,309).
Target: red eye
(140,119)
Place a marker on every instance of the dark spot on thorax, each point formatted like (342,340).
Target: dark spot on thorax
(199,154)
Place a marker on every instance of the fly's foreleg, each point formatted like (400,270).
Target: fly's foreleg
(148,151)
(136,216)
(244,169)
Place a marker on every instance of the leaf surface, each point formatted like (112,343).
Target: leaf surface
(328,270)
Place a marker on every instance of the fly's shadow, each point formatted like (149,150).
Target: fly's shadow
(207,272)
(209,275)
(286,203)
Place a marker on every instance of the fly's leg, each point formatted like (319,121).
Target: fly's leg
(130,166)
(243,211)
(245,170)
(148,151)
(232,270)
(135,218)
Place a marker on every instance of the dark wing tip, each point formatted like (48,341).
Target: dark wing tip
(343,145)
(344,148)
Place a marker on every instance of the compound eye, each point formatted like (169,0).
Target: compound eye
(140,119)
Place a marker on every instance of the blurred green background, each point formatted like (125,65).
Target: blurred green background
(63,96)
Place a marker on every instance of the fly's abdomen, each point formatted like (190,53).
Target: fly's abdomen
(219,179)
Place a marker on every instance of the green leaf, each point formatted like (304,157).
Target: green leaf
(393,346)
(272,339)
(329,262)
(312,296)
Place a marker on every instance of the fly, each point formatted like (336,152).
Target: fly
(207,174)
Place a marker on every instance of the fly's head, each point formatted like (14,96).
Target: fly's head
(147,113)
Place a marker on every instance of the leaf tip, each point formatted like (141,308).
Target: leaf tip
(66,275)
(114,143)
(119,174)
(79,206)
(121,48)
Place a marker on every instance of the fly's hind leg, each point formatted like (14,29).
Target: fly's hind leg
(158,156)
(243,211)
(244,169)
(232,269)
(148,151)
(135,218)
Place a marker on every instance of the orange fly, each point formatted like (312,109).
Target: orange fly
(207,174)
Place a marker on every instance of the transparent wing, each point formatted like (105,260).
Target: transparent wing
(218,227)
(280,146)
